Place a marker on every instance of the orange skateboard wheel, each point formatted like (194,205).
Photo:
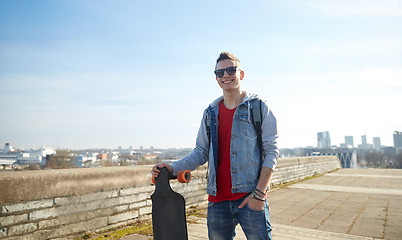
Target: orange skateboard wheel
(153,180)
(184,176)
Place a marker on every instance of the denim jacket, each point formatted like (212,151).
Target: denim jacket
(244,153)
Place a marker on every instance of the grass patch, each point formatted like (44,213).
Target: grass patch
(140,227)
(143,227)
(285,184)
(197,212)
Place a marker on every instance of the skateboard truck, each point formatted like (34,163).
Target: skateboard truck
(182,176)
(168,207)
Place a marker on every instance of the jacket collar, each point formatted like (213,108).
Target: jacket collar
(247,97)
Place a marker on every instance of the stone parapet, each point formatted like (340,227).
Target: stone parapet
(64,203)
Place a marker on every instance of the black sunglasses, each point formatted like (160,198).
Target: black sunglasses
(230,70)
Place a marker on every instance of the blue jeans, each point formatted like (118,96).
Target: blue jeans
(223,217)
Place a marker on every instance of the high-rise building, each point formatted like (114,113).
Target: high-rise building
(364,141)
(376,142)
(397,139)
(323,140)
(349,141)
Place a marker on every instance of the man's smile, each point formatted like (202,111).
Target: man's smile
(227,81)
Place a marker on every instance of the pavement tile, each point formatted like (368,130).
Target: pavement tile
(396,236)
(358,198)
(365,223)
(307,222)
(286,232)
(197,231)
(338,222)
(393,233)
(373,215)
(378,201)
(294,212)
(340,197)
(351,206)
(283,218)
(319,213)
(334,228)
(341,215)
(366,229)
(394,223)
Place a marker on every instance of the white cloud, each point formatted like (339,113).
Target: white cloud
(371,76)
(358,7)
(377,76)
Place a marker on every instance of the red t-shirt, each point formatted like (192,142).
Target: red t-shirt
(223,176)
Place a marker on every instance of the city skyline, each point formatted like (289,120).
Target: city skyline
(79,74)
(325,142)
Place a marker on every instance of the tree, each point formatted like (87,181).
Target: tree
(62,159)
(398,160)
(374,159)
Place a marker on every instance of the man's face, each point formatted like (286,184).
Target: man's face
(227,81)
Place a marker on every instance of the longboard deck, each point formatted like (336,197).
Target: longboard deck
(168,210)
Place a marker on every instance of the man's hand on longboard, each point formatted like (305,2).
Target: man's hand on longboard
(156,169)
(182,176)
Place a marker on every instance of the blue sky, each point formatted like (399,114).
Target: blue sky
(101,74)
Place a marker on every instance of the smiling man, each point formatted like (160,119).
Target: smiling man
(241,156)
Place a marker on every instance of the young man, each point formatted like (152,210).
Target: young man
(238,178)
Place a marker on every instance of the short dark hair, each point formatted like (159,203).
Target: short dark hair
(227,55)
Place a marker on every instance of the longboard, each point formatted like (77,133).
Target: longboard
(169,208)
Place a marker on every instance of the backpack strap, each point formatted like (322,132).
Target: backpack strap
(208,125)
(257,122)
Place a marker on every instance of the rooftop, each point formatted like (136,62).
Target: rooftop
(346,204)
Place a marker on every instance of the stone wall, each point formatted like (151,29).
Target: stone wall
(70,202)
(291,169)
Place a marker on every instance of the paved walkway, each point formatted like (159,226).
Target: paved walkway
(347,204)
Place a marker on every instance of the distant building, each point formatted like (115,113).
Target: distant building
(364,144)
(8,148)
(85,159)
(398,140)
(349,141)
(10,156)
(389,151)
(377,143)
(102,156)
(364,140)
(323,140)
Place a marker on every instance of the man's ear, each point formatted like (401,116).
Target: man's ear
(241,75)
